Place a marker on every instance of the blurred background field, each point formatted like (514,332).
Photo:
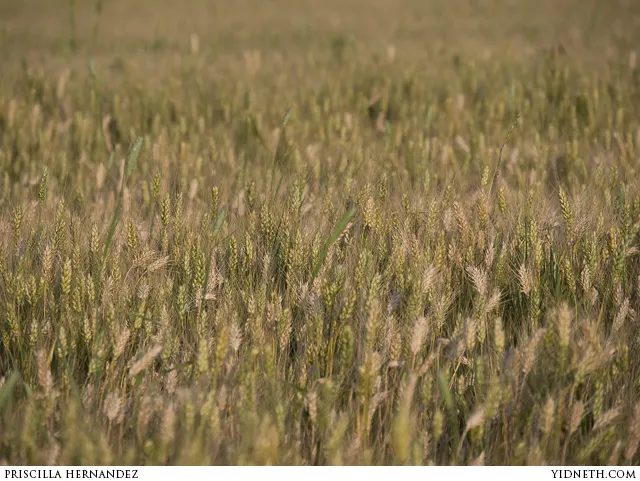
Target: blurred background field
(305,232)
(154,35)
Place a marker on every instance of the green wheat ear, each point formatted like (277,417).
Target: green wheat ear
(134,153)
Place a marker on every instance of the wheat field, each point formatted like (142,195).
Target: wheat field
(319,233)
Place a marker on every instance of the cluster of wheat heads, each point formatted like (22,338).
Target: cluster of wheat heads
(356,280)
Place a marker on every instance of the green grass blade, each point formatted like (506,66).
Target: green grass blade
(219,220)
(287,116)
(217,225)
(132,159)
(335,233)
(7,389)
(112,229)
